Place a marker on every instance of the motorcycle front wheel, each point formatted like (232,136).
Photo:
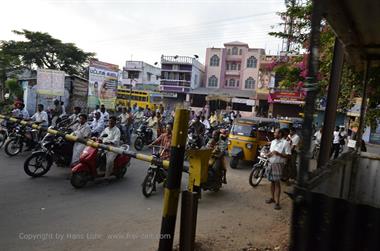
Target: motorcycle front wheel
(139,143)
(3,138)
(13,147)
(234,161)
(149,184)
(79,179)
(256,175)
(37,165)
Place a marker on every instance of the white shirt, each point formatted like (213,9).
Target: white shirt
(105,116)
(41,116)
(124,118)
(97,126)
(82,131)
(206,123)
(295,141)
(318,136)
(279,145)
(25,114)
(113,135)
(336,137)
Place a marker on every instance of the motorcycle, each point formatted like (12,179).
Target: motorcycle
(259,168)
(20,135)
(54,149)
(5,128)
(215,173)
(144,136)
(92,165)
(156,174)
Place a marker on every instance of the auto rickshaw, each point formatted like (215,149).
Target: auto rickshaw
(247,136)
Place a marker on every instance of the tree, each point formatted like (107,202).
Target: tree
(14,88)
(41,50)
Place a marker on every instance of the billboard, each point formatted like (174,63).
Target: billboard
(266,81)
(50,82)
(102,84)
(286,97)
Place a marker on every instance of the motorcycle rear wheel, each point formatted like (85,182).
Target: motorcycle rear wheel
(256,175)
(149,184)
(79,179)
(13,147)
(139,143)
(41,162)
(122,172)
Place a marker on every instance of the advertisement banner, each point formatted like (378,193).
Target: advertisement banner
(50,82)
(286,97)
(266,81)
(103,82)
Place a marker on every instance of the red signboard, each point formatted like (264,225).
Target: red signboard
(286,97)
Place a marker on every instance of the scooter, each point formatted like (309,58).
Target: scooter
(92,165)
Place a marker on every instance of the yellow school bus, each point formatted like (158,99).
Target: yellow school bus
(139,97)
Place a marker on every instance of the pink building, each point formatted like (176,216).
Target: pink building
(233,71)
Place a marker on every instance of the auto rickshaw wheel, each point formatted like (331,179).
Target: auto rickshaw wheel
(234,162)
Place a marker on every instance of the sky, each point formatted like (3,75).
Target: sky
(120,30)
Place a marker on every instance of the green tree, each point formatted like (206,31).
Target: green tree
(41,50)
(14,88)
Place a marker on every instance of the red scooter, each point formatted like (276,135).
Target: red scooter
(92,165)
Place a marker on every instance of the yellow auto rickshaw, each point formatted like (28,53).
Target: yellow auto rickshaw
(247,136)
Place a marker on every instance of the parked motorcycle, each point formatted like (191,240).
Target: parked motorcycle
(19,136)
(156,174)
(144,136)
(54,149)
(259,168)
(92,165)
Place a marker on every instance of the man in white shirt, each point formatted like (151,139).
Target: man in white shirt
(206,123)
(83,131)
(294,142)
(278,153)
(41,117)
(336,143)
(75,116)
(112,138)
(97,125)
(104,114)
(24,112)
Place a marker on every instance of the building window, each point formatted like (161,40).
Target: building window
(226,83)
(175,67)
(237,83)
(212,81)
(249,83)
(238,67)
(232,82)
(214,61)
(251,62)
(240,51)
(228,51)
(234,51)
(133,74)
(149,76)
(233,66)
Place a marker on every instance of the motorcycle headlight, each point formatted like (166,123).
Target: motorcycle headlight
(249,145)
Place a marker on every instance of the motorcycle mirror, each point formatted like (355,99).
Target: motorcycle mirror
(104,135)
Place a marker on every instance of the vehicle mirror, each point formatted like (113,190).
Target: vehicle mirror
(104,135)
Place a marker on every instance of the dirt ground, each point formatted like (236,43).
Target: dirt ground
(237,217)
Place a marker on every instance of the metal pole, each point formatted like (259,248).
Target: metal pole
(332,103)
(363,107)
(311,88)
(173,184)
(189,211)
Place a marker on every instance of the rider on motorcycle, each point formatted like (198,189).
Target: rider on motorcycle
(217,144)
(164,140)
(199,129)
(83,131)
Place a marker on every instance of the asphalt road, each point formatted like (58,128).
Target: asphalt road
(47,213)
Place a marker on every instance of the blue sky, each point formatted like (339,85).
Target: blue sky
(118,30)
